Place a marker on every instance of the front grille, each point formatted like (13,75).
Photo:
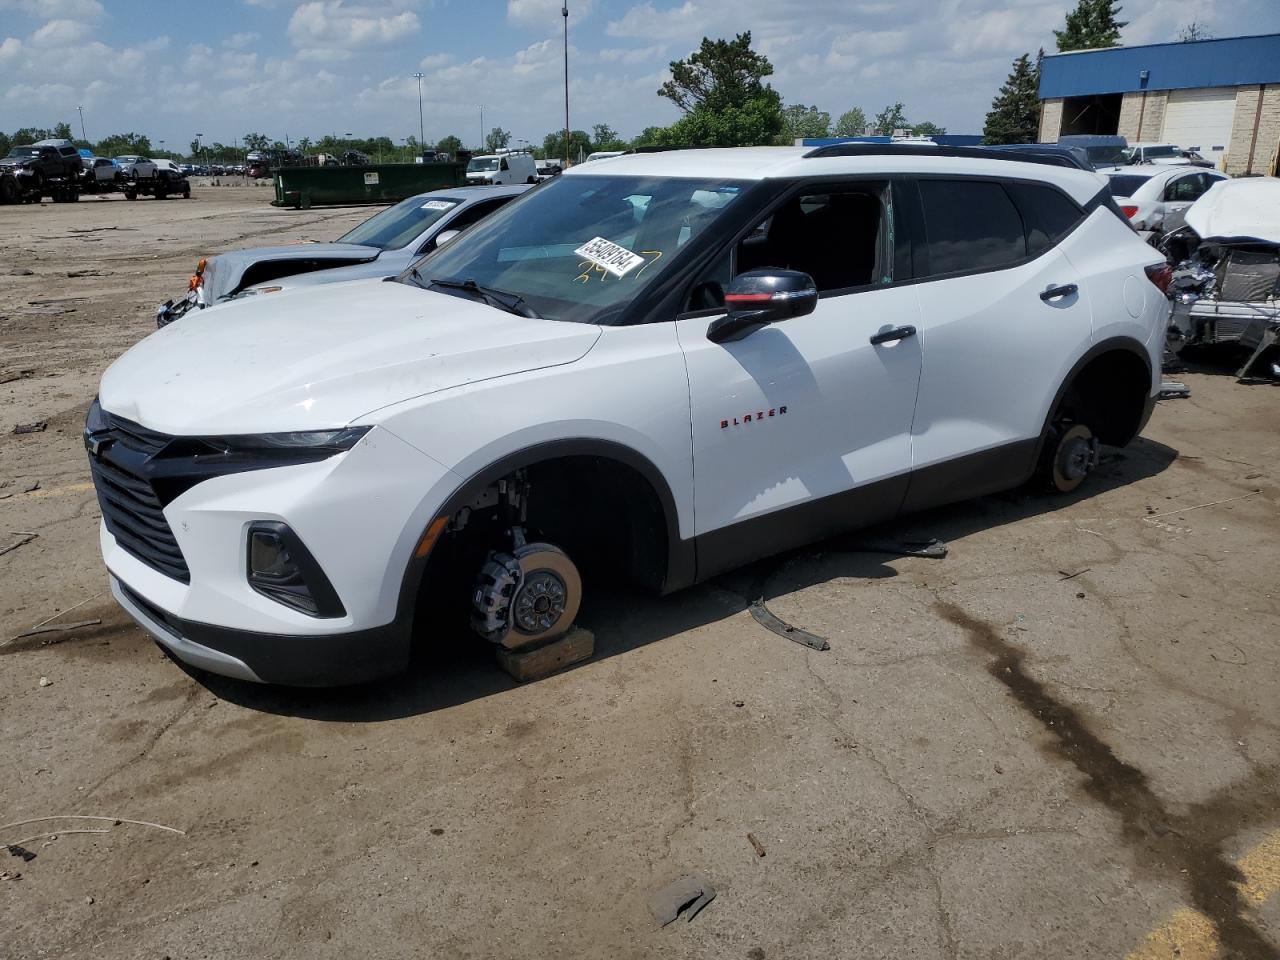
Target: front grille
(131,510)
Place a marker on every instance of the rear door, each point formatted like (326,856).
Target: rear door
(803,428)
(1002,314)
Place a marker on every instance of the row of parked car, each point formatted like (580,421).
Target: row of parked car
(653,367)
(58,168)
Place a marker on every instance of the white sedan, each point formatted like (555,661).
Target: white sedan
(1156,198)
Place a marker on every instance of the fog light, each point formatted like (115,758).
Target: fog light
(282,569)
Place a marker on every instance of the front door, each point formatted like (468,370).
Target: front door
(803,429)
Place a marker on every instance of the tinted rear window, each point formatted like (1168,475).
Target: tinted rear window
(970,225)
(1047,215)
(1125,186)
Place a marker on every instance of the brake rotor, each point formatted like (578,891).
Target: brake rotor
(1075,457)
(530,594)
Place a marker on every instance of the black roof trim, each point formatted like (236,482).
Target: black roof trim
(1054,159)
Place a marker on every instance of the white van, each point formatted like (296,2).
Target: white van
(502,168)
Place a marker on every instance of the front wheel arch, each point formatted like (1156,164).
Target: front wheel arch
(675,561)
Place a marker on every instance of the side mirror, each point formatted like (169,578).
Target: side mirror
(760,297)
(444,236)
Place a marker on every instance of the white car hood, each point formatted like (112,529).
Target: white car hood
(322,358)
(1240,210)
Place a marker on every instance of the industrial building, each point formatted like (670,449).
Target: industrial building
(1220,98)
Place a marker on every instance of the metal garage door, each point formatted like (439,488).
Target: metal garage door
(1200,120)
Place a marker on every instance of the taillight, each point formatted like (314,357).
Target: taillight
(1128,211)
(1161,274)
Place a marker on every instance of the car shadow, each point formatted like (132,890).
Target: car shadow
(446,673)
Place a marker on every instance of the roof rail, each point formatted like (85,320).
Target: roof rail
(857,149)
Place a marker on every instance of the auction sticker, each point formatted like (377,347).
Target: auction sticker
(438,205)
(371,179)
(605,253)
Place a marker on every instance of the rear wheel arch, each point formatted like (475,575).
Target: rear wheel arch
(1109,388)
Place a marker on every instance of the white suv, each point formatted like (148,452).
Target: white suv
(657,366)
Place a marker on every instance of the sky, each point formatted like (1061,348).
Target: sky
(222,68)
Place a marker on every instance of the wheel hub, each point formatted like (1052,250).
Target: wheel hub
(1079,456)
(539,602)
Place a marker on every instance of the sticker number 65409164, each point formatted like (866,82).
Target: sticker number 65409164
(616,259)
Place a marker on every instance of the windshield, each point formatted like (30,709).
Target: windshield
(1125,186)
(581,248)
(1155,153)
(1105,156)
(25,152)
(398,226)
(482,164)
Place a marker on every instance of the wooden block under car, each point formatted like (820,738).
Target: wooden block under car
(534,663)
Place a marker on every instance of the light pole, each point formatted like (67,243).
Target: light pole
(82,133)
(421,129)
(482,128)
(197,156)
(564,12)
(162,146)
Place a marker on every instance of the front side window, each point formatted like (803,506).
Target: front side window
(581,248)
(397,226)
(970,225)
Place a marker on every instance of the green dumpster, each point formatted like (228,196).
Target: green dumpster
(303,187)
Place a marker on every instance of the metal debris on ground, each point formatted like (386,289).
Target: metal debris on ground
(37,427)
(1172,390)
(688,895)
(1072,576)
(46,682)
(17,851)
(26,538)
(931,549)
(755,844)
(53,628)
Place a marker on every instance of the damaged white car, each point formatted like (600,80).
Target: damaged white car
(1227,284)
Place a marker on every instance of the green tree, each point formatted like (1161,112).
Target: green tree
(604,137)
(497,139)
(799,121)
(24,136)
(891,118)
(1090,25)
(194,147)
(62,131)
(450,145)
(5,144)
(927,129)
(719,74)
(256,141)
(119,144)
(1015,112)
(755,123)
(648,137)
(722,90)
(579,143)
(852,123)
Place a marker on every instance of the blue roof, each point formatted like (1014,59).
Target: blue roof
(1229,62)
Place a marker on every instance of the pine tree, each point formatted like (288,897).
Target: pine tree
(1015,112)
(1090,25)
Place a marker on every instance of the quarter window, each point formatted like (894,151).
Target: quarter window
(1047,215)
(970,225)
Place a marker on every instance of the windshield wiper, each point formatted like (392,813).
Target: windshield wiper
(510,302)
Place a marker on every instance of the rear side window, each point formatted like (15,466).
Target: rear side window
(1047,215)
(970,225)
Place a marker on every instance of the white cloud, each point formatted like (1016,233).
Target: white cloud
(546,13)
(56,9)
(629,55)
(60,33)
(238,41)
(10,47)
(435,60)
(333,23)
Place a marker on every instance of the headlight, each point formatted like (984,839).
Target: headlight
(327,442)
(282,569)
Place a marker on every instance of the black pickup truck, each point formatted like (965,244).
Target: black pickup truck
(36,164)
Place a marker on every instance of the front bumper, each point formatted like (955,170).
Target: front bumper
(360,515)
(296,661)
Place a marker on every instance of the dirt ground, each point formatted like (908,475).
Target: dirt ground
(1063,740)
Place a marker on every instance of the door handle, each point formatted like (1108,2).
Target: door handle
(1053,293)
(890,336)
